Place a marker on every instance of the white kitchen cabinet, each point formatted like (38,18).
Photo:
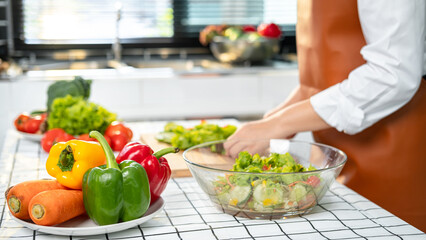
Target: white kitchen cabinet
(239,95)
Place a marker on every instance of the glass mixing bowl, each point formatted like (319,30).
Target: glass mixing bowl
(265,195)
(244,50)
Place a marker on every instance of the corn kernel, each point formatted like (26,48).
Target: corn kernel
(268,202)
(233,201)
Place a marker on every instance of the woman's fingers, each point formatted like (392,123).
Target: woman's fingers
(249,137)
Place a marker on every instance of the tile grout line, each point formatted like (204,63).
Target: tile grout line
(190,202)
(10,179)
(362,212)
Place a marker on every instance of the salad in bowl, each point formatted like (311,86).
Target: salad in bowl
(287,178)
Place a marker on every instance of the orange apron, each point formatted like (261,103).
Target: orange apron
(386,162)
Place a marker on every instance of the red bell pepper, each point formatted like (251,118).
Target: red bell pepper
(155,164)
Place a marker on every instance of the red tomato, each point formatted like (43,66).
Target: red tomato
(20,121)
(249,28)
(53,136)
(43,116)
(64,138)
(118,142)
(108,139)
(270,30)
(118,128)
(85,137)
(33,124)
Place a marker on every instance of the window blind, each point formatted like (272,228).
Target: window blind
(94,22)
(82,21)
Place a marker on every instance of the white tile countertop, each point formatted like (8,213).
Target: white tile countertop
(188,213)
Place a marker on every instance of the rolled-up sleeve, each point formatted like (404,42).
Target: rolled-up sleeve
(394,31)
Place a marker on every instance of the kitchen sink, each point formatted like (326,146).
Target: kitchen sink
(180,65)
(202,65)
(177,65)
(72,65)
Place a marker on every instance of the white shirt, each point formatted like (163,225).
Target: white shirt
(395,55)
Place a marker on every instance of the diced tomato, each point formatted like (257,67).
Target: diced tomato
(313,181)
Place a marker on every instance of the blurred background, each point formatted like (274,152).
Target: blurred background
(145,58)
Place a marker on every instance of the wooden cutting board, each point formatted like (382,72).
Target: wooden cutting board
(178,164)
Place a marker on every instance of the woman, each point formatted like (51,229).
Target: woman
(361,64)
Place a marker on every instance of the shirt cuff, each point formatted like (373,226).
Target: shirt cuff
(337,110)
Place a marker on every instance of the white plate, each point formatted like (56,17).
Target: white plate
(35,137)
(84,226)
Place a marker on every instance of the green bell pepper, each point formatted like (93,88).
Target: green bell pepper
(115,193)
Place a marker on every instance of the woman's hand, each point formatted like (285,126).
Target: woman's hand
(284,123)
(261,130)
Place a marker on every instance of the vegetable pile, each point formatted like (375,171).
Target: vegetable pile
(249,32)
(120,190)
(70,115)
(183,138)
(45,202)
(267,191)
(115,192)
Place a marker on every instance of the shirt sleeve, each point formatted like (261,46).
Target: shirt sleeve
(394,31)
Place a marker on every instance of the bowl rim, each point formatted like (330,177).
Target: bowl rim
(223,39)
(265,173)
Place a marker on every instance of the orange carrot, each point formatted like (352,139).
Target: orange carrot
(19,196)
(56,206)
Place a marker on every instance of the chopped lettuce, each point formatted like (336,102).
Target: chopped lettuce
(77,116)
(184,138)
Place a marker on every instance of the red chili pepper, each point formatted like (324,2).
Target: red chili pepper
(156,166)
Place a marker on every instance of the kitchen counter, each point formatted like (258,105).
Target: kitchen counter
(139,68)
(188,214)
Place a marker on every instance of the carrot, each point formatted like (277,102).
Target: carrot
(56,206)
(19,196)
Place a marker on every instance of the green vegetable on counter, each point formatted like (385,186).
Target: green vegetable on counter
(115,192)
(184,138)
(78,87)
(77,116)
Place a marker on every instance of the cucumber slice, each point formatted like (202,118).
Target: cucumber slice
(240,195)
(298,192)
(268,196)
(165,136)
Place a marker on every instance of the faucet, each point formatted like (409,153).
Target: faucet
(116,46)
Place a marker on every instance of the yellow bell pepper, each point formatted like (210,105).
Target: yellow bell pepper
(68,161)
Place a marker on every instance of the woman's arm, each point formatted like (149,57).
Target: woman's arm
(298,117)
(294,97)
